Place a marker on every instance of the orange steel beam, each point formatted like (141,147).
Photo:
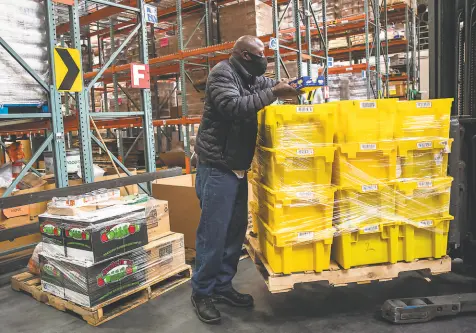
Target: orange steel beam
(71,124)
(391,42)
(106,31)
(97,15)
(110,10)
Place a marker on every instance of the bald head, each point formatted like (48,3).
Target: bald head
(248,44)
(249,51)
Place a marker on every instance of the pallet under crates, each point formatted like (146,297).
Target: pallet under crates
(337,277)
(101,313)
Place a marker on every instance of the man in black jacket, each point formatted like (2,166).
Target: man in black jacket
(235,92)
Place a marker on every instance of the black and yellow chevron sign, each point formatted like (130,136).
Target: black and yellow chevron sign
(68,70)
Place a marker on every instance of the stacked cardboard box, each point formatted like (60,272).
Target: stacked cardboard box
(100,253)
(167,42)
(332,13)
(360,39)
(255,20)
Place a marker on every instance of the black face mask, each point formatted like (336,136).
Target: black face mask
(256,66)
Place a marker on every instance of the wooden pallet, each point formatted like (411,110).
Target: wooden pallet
(110,309)
(337,277)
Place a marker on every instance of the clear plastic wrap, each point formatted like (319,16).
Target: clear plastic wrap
(94,233)
(380,196)
(89,284)
(98,245)
(22,26)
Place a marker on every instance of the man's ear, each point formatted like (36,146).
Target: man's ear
(245,55)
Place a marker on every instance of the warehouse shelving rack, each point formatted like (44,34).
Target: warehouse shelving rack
(177,64)
(89,19)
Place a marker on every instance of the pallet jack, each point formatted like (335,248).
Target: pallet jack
(424,309)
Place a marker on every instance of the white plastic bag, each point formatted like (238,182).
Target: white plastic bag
(6,177)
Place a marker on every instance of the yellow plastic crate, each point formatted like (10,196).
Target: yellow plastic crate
(369,244)
(365,204)
(365,163)
(291,125)
(424,157)
(295,251)
(294,166)
(297,207)
(424,239)
(423,198)
(365,121)
(420,119)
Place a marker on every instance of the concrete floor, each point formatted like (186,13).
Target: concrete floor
(310,308)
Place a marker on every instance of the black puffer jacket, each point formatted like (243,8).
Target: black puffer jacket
(227,134)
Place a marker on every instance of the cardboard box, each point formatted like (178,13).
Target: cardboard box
(95,236)
(105,233)
(90,284)
(28,212)
(255,20)
(184,207)
(52,276)
(52,233)
(164,255)
(16,243)
(157,218)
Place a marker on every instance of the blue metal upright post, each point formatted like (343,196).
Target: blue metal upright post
(59,149)
(82,105)
(149,140)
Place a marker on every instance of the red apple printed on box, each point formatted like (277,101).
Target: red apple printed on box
(50,230)
(77,233)
(116,271)
(119,231)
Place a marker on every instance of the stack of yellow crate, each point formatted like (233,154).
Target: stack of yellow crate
(365,171)
(292,174)
(393,198)
(423,188)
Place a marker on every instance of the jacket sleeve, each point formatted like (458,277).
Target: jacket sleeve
(266,82)
(224,92)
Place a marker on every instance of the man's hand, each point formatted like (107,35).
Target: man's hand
(287,80)
(283,89)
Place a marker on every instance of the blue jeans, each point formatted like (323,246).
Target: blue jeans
(222,229)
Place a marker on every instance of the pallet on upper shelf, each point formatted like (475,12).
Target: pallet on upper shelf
(337,277)
(19,108)
(99,314)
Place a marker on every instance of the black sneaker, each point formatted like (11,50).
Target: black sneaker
(205,309)
(234,298)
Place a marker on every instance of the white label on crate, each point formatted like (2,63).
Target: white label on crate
(368,105)
(425,224)
(424,144)
(425,184)
(349,69)
(423,105)
(399,167)
(439,158)
(308,195)
(304,109)
(369,188)
(305,236)
(305,152)
(446,148)
(368,146)
(344,21)
(370,228)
